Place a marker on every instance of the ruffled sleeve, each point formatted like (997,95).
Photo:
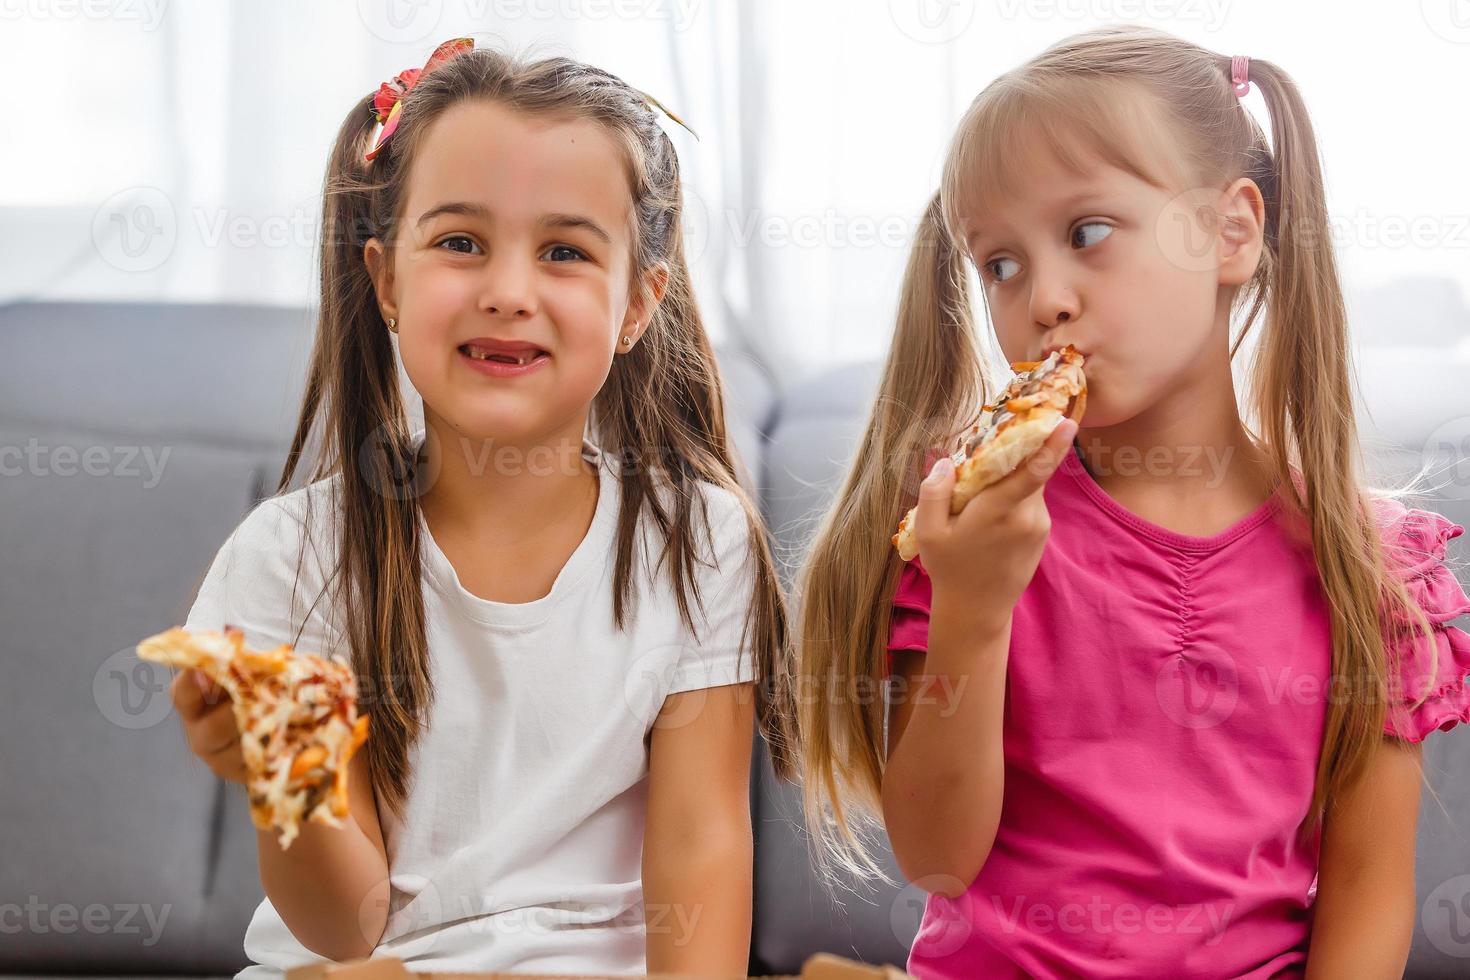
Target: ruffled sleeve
(1429,691)
(909,627)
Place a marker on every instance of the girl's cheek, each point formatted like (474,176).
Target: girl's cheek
(583,314)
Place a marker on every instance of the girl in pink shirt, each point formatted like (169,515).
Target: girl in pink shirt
(1155,699)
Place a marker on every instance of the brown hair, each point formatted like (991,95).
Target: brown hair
(1093,90)
(660,413)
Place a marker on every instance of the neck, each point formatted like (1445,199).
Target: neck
(1192,441)
(479,481)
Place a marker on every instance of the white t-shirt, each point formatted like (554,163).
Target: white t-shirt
(520,848)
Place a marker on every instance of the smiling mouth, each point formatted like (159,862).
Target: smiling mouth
(521,359)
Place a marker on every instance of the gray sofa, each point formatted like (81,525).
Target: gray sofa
(136,436)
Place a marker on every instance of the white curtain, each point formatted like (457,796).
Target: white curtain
(174,151)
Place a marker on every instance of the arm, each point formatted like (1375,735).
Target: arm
(697,850)
(1363,918)
(945,778)
(331,887)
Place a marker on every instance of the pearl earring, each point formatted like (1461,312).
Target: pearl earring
(393,324)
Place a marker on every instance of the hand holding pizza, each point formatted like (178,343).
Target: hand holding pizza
(982,558)
(290,731)
(209,724)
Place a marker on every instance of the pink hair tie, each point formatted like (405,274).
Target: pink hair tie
(1240,75)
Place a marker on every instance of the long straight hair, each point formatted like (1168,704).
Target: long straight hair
(1087,91)
(660,414)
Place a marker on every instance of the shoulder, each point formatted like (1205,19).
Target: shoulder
(725,508)
(720,518)
(300,523)
(728,547)
(270,573)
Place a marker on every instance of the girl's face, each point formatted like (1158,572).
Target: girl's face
(514,243)
(1132,275)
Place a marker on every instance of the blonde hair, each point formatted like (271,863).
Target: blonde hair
(1099,90)
(660,413)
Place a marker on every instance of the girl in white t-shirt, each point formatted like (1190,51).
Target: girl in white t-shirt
(559,604)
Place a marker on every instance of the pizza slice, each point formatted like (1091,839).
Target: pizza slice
(1034,403)
(298,721)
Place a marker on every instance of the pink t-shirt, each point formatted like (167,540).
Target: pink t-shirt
(1164,709)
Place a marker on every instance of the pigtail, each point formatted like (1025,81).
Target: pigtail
(931,390)
(1302,385)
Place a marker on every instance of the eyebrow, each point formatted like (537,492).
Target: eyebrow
(473,210)
(575,221)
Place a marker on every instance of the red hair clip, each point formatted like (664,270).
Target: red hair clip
(388,101)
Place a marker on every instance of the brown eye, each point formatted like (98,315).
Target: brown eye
(459,238)
(563,253)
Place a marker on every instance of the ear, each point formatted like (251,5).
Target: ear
(641,306)
(1242,228)
(380,269)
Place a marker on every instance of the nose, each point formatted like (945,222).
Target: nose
(510,288)
(1053,299)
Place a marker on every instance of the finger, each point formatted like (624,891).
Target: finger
(188,699)
(211,692)
(228,763)
(932,511)
(1034,471)
(214,731)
